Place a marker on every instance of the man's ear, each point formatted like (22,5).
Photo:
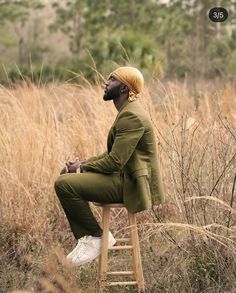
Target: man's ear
(124,88)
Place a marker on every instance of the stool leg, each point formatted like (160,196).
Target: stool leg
(137,264)
(104,255)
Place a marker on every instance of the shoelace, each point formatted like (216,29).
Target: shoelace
(78,246)
(84,239)
(82,246)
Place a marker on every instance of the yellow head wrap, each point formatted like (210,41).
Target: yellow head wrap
(131,77)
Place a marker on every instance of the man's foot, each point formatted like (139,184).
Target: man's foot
(79,246)
(87,249)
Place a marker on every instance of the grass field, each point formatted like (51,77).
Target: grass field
(187,245)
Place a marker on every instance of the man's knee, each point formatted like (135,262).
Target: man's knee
(60,182)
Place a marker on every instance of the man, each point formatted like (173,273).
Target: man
(127,172)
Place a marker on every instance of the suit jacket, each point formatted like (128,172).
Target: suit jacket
(131,149)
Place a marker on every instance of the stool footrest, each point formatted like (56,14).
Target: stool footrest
(123,239)
(120,247)
(120,273)
(121,283)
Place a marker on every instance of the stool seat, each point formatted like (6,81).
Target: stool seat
(109,205)
(131,243)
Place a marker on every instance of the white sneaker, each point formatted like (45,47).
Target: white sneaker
(89,249)
(78,247)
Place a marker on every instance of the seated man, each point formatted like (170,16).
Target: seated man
(126,173)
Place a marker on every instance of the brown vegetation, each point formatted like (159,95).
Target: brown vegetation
(187,245)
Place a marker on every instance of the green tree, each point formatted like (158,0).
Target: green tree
(16,13)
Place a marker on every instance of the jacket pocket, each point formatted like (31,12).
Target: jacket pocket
(143,189)
(141,178)
(136,194)
(140,172)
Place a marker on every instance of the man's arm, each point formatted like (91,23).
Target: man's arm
(96,157)
(91,159)
(73,165)
(129,130)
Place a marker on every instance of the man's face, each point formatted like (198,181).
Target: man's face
(112,89)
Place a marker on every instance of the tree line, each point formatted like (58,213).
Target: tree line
(166,39)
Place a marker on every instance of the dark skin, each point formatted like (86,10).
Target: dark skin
(117,91)
(114,90)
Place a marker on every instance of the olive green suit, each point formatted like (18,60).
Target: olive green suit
(127,172)
(131,149)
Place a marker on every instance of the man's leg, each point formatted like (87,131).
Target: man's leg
(75,190)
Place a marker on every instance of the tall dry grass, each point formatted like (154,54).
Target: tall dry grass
(188,245)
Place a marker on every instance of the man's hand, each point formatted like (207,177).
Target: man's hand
(64,170)
(72,165)
(72,168)
(71,162)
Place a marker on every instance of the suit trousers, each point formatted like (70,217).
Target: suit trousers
(75,190)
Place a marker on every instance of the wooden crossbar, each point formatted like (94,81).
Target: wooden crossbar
(121,247)
(123,240)
(121,283)
(120,273)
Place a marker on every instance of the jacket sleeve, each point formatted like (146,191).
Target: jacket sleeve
(128,131)
(96,157)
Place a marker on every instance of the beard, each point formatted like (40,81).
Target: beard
(112,94)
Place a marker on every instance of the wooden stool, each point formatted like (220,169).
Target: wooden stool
(133,242)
